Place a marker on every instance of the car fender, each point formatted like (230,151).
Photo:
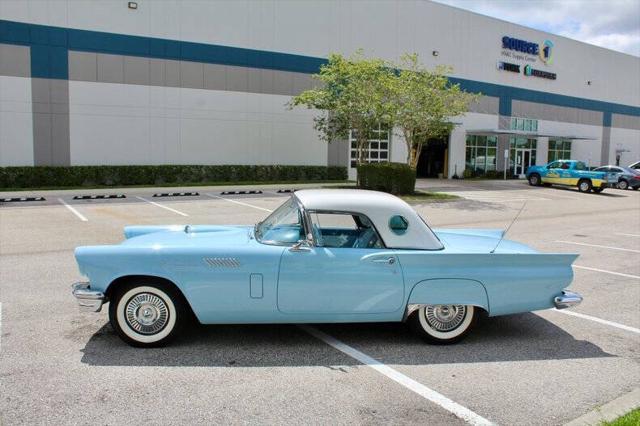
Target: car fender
(449,291)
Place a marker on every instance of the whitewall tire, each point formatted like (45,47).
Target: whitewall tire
(146,313)
(444,324)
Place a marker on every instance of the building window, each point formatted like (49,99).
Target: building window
(524,124)
(480,155)
(559,150)
(379,141)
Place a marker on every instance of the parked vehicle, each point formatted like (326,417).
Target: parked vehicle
(635,166)
(627,177)
(571,173)
(323,256)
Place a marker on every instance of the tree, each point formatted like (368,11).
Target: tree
(424,102)
(353,94)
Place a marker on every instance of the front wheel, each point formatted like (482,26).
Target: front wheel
(444,324)
(147,313)
(623,184)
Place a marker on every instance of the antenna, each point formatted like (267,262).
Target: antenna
(509,227)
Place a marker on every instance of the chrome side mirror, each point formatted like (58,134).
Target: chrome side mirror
(301,245)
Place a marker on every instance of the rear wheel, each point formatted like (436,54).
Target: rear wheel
(147,313)
(623,184)
(444,324)
(534,179)
(584,185)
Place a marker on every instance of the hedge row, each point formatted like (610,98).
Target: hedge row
(75,176)
(395,178)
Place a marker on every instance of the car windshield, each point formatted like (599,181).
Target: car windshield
(282,227)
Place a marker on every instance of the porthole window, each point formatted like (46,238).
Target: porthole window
(398,224)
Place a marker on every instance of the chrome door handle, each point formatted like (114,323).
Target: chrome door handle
(390,260)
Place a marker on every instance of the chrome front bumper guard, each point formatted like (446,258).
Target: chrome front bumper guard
(88,300)
(567,299)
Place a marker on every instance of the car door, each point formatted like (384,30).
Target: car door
(346,270)
(552,174)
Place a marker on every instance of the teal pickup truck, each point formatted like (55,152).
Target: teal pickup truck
(571,173)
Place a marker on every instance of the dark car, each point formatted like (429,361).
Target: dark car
(627,177)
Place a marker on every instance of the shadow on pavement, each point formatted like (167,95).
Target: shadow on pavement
(510,338)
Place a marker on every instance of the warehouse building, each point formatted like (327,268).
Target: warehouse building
(207,82)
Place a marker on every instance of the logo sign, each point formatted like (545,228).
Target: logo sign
(546,52)
(528,51)
(529,71)
(506,66)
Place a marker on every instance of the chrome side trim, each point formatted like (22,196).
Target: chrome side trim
(411,308)
(567,299)
(88,300)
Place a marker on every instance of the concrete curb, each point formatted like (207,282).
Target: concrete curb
(609,411)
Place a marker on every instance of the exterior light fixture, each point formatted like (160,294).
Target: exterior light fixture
(588,82)
(435,53)
(132,5)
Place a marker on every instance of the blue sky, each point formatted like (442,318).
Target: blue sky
(614,24)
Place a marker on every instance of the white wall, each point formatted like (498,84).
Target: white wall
(627,139)
(16,122)
(583,150)
(469,42)
(134,124)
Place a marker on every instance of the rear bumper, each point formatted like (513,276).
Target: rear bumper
(88,300)
(567,299)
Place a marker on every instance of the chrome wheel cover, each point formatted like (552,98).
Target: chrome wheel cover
(445,318)
(584,186)
(146,313)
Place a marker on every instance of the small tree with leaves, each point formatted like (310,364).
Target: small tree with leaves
(352,94)
(424,102)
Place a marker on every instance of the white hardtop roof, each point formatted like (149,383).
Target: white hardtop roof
(377,206)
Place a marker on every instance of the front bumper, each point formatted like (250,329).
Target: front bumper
(567,299)
(88,300)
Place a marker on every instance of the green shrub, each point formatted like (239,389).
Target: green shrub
(395,178)
(468,174)
(77,176)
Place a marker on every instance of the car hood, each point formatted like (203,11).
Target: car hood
(189,235)
(479,241)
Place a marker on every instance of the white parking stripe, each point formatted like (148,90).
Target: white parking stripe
(162,207)
(599,320)
(238,202)
(74,211)
(598,246)
(0,326)
(627,235)
(425,392)
(607,272)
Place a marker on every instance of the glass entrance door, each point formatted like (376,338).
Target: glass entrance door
(523,161)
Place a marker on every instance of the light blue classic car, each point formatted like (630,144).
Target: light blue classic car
(571,173)
(323,256)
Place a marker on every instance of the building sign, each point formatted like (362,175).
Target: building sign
(529,52)
(506,66)
(528,70)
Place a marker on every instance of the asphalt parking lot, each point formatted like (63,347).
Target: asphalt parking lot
(61,366)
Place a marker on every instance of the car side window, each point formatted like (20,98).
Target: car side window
(344,230)
(565,166)
(581,166)
(554,165)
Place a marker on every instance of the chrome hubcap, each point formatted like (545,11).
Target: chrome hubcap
(445,317)
(146,313)
(584,186)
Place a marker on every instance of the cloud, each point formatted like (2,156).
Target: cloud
(613,24)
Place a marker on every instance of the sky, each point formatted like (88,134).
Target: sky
(613,24)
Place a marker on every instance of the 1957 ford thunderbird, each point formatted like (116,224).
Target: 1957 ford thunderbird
(323,256)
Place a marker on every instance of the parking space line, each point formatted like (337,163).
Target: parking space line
(627,235)
(607,272)
(162,207)
(74,211)
(425,392)
(599,320)
(238,202)
(0,326)
(598,246)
